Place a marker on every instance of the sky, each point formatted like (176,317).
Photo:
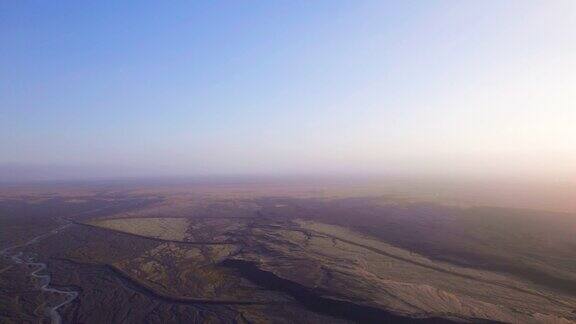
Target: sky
(443,87)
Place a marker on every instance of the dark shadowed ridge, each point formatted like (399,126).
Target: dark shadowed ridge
(312,301)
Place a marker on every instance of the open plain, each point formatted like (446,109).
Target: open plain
(154,255)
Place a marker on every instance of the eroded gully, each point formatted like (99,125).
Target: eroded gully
(37,271)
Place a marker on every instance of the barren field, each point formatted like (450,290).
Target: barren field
(171,229)
(198,258)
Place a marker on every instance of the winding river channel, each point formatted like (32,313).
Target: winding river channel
(38,273)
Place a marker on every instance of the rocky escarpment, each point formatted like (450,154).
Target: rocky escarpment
(313,300)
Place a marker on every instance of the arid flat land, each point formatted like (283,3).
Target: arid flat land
(158,255)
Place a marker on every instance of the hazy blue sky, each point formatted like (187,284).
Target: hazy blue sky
(216,87)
